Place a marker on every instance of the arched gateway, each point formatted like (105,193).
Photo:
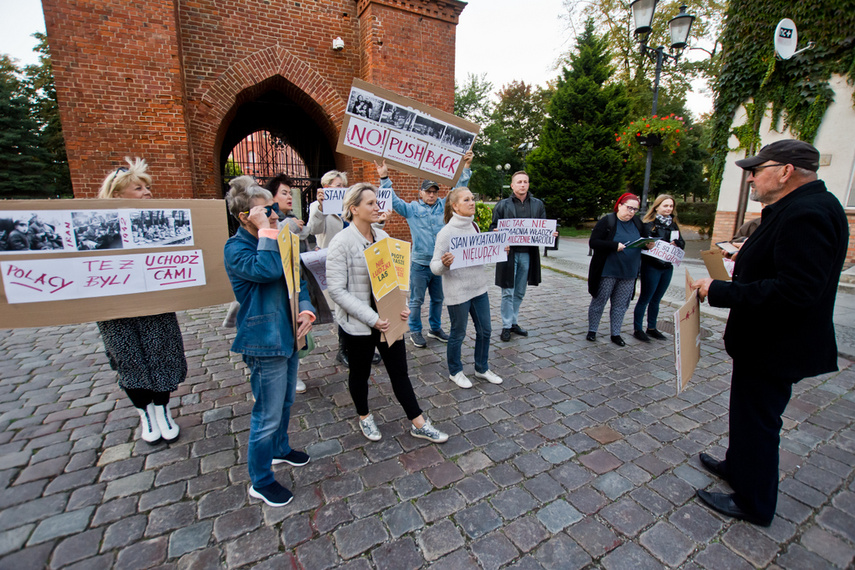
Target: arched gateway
(181,83)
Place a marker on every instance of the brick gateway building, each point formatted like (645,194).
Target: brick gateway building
(181,82)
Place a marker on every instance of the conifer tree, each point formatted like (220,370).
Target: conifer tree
(577,169)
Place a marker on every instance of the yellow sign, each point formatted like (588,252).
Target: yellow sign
(384,277)
(289,251)
(399,252)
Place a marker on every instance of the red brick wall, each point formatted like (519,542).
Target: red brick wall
(117,67)
(164,79)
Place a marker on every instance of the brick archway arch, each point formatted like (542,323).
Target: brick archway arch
(244,81)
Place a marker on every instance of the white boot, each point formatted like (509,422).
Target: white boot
(150,432)
(168,427)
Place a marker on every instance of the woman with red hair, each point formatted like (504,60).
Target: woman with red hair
(614,268)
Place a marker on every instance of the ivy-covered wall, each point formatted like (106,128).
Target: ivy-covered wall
(797,88)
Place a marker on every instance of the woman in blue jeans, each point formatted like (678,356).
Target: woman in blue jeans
(465,290)
(660,221)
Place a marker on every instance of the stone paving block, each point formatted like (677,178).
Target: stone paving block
(830,547)
(143,554)
(221,501)
(697,522)
(556,453)
(318,554)
(130,485)
(797,557)
(331,516)
(667,544)
(457,560)
(672,488)
(357,537)
(161,496)
(558,515)
(190,538)
(120,469)
(43,470)
(630,555)
(252,547)
(400,554)
(717,556)
(474,461)
(561,553)
(838,522)
(478,520)
(341,487)
(571,476)
(443,474)
(626,516)
(14,539)
(296,530)
(170,517)
(440,504)
(402,518)
(504,475)
(439,539)
(412,486)
(501,450)
(612,485)
(475,488)
(32,557)
(600,461)
(494,551)
(513,502)
(526,533)
(372,501)
(61,525)
(544,488)
(531,464)
(18,494)
(236,523)
(324,449)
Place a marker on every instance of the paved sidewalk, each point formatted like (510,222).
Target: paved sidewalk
(583,458)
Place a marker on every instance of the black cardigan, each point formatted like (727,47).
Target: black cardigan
(603,244)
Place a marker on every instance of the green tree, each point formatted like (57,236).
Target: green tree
(472,100)
(578,169)
(520,112)
(22,160)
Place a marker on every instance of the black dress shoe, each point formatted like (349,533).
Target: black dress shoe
(639,334)
(713,465)
(342,357)
(516,329)
(506,335)
(592,336)
(376,359)
(618,340)
(723,503)
(653,333)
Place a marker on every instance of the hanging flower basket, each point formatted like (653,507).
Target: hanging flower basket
(650,132)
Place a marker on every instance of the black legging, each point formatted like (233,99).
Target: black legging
(360,351)
(141,397)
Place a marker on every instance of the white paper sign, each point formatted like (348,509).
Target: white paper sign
(406,149)
(366,136)
(529,231)
(384,199)
(316,262)
(666,252)
(36,280)
(478,249)
(333,198)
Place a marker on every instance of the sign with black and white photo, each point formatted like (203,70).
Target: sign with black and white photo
(409,136)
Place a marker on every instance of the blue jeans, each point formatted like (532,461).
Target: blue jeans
(654,283)
(512,296)
(422,279)
(479,308)
(274,382)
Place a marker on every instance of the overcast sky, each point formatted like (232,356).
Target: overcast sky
(506,39)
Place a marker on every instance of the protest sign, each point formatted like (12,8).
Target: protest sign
(333,198)
(528,231)
(399,251)
(384,199)
(478,249)
(289,253)
(316,263)
(389,271)
(666,252)
(109,259)
(687,336)
(410,136)
(381,271)
(716,265)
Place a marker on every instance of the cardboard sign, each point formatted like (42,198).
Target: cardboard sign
(399,251)
(384,199)
(687,337)
(389,270)
(410,136)
(478,249)
(289,252)
(316,263)
(123,234)
(666,252)
(333,198)
(716,266)
(528,231)
(381,270)
(390,307)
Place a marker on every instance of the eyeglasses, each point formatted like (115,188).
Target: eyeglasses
(632,209)
(119,170)
(274,207)
(753,171)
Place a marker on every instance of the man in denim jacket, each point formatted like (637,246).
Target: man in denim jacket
(425,218)
(265,334)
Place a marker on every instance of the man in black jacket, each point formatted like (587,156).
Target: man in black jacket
(780,327)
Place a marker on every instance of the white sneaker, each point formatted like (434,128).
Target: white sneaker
(461,380)
(428,432)
(369,428)
(150,433)
(301,386)
(489,376)
(168,427)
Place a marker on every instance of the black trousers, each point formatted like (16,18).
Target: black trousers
(757,402)
(360,351)
(141,398)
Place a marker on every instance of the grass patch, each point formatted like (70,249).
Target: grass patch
(574,233)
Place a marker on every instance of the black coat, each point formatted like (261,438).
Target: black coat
(603,244)
(784,286)
(505,209)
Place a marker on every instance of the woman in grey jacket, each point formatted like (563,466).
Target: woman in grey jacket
(464,289)
(349,285)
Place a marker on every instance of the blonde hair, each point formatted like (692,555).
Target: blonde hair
(452,198)
(327,178)
(353,197)
(121,178)
(651,213)
(242,191)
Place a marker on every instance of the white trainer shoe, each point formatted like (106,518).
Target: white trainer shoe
(301,387)
(461,380)
(168,427)
(489,376)
(150,432)
(369,428)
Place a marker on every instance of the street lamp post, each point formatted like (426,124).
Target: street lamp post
(680,26)
(506,168)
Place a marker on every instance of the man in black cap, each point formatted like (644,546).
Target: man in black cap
(780,327)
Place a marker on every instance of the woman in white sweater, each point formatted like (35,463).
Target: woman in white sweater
(465,290)
(349,286)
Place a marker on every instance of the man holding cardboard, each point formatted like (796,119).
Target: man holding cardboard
(425,218)
(523,265)
(780,328)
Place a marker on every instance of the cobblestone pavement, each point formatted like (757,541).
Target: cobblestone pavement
(584,457)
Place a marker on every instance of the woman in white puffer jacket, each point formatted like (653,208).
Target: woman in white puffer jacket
(465,290)
(349,285)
